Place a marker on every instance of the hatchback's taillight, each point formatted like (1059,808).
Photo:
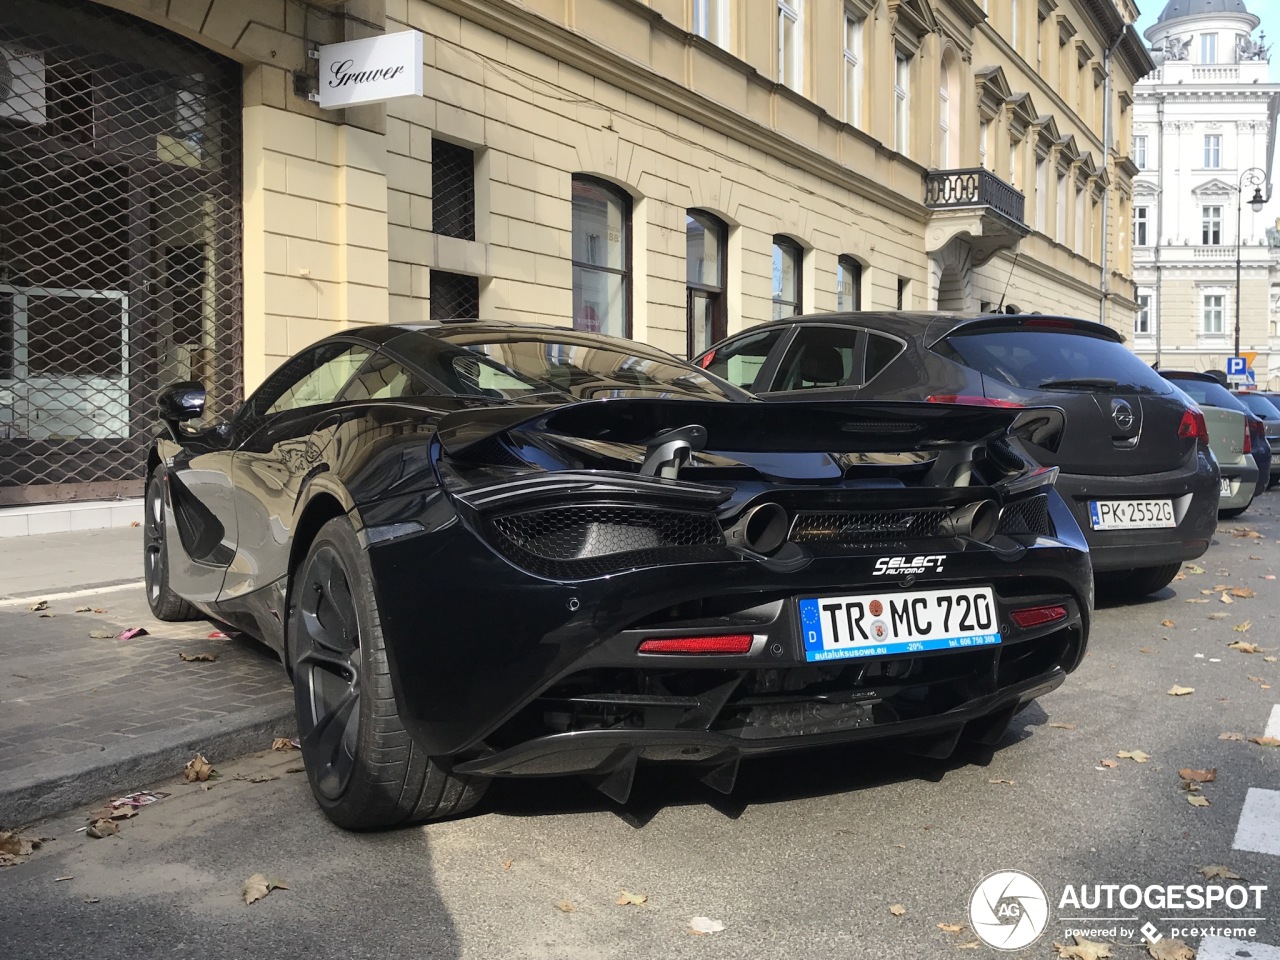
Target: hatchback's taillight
(970,400)
(1193,426)
(1248,438)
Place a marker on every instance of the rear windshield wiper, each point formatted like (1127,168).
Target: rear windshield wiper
(1102,383)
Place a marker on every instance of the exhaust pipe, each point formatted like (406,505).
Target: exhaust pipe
(977,521)
(762,529)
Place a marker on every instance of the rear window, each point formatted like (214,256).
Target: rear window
(1208,393)
(1051,360)
(1259,405)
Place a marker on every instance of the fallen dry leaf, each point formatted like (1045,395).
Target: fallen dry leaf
(259,885)
(1083,949)
(38,606)
(1269,659)
(1194,568)
(1217,616)
(283,744)
(1244,593)
(1170,949)
(102,635)
(1063,726)
(951,927)
(1197,599)
(1226,597)
(1231,736)
(1246,532)
(705,925)
(17,846)
(631,899)
(1145,650)
(506,864)
(1199,776)
(83,609)
(1167,623)
(1257,680)
(295,769)
(1196,800)
(1207,593)
(897,909)
(564,906)
(198,768)
(263,778)
(99,609)
(1109,764)
(1266,741)
(1177,691)
(1135,755)
(1219,872)
(1240,644)
(199,657)
(102,828)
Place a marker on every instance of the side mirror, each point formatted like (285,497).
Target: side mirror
(180,402)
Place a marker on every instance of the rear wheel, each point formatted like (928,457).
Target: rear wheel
(1136,583)
(365,770)
(1234,511)
(164,603)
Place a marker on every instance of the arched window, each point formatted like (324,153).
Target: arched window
(949,113)
(787,263)
(601,257)
(848,284)
(705,241)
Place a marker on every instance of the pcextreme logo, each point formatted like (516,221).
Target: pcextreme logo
(900,566)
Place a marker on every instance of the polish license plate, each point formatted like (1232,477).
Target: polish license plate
(1131,514)
(1226,487)
(898,622)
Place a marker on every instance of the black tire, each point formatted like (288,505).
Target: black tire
(164,603)
(1136,583)
(1234,511)
(366,772)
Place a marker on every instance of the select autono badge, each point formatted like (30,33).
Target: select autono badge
(1008,910)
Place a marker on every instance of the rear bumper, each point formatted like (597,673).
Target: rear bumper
(1194,491)
(1243,478)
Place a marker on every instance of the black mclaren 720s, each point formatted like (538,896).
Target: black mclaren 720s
(504,550)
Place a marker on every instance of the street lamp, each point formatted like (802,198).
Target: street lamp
(1253,177)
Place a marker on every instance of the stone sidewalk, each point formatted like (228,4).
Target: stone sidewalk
(85,717)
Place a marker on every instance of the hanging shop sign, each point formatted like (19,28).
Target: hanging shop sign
(371,70)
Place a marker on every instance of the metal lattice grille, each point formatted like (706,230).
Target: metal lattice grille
(454,296)
(868,526)
(453,190)
(119,242)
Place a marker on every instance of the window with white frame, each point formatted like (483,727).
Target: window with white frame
(984,128)
(1213,303)
(852,67)
(1142,319)
(902,101)
(1140,152)
(1211,225)
(1042,190)
(1014,177)
(1213,150)
(1140,223)
(1208,48)
(1013,23)
(791,44)
(944,123)
(1060,199)
(711,21)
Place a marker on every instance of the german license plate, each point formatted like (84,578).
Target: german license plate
(897,622)
(1131,514)
(1226,487)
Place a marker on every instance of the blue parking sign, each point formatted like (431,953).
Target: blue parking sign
(1237,366)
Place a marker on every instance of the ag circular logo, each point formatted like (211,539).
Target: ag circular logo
(1008,910)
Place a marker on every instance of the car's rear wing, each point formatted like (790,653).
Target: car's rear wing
(826,426)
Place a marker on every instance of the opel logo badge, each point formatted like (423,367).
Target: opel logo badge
(1122,414)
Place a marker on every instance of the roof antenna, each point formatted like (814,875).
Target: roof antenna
(1000,308)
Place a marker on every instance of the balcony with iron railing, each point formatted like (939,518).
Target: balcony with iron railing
(973,202)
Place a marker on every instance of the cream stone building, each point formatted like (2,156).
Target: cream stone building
(1204,138)
(174,204)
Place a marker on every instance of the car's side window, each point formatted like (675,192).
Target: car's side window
(739,361)
(323,380)
(822,357)
(881,351)
(381,378)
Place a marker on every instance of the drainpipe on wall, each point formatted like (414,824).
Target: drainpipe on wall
(1159,318)
(1106,154)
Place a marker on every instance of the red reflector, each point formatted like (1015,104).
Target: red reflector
(1034,616)
(970,400)
(733,643)
(707,360)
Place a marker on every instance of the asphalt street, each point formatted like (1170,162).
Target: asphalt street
(851,853)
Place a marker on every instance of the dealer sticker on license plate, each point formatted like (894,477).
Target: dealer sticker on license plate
(891,623)
(1131,514)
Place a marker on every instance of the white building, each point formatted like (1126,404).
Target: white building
(1203,140)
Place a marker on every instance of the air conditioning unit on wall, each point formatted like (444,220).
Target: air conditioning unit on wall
(22,85)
